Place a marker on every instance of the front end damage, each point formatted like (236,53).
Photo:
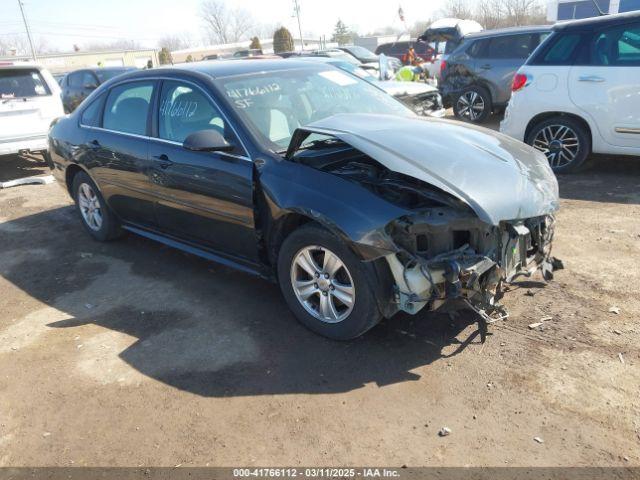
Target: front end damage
(476,209)
(446,255)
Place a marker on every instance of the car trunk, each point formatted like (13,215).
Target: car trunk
(27,105)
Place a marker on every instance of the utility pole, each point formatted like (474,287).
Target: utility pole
(296,9)
(26,27)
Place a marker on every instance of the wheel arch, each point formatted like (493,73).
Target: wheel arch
(294,219)
(70,173)
(541,117)
(291,220)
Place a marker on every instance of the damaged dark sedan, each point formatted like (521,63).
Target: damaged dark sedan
(311,177)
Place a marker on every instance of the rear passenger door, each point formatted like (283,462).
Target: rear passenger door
(604,83)
(499,59)
(118,148)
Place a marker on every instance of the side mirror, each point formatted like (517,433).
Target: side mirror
(90,86)
(207,141)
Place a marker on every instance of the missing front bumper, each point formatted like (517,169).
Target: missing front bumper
(521,248)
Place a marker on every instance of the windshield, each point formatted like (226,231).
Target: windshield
(22,82)
(362,54)
(104,75)
(274,104)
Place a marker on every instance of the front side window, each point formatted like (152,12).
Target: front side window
(184,110)
(619,46)
(561,50)
(127,108)
(274,104)
(75,79)
(21,83)
(88,80)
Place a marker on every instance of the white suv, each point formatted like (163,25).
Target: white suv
(29,102)
(579,92)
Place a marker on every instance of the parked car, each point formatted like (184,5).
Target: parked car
(59,77)
(399,50)
(251,52)
(29,102)
(421,97)
(306,175)
(579,93)
(446,34)
(477,75)
(363,55)
(77,85)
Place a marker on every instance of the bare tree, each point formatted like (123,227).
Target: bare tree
(20,45)
(223,24)
(522,12)
(458,9)
(489,13)
(175,42)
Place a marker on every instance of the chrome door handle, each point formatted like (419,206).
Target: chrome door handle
(590,78)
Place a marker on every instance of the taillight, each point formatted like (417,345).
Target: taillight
(519,81)
(443,65)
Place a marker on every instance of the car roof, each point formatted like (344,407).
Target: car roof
(620,18)
(226,68)
(509,31)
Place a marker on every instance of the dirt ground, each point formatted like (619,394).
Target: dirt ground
(133,354)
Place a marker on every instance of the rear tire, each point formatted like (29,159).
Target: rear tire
(564,141)
(95,215)
(473,105)
(304,258)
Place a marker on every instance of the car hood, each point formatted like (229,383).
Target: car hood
(395,88)
(499,177)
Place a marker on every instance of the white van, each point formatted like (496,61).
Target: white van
(29,102)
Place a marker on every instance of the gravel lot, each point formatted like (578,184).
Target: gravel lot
(134,354)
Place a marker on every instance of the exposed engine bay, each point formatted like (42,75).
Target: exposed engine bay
(442,250)
(423,103)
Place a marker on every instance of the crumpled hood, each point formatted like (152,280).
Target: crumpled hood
(499,177)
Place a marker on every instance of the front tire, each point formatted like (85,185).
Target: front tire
(564,141)
(329,290)
(94,213)
(473,104)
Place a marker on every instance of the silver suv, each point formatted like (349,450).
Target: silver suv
(476,78)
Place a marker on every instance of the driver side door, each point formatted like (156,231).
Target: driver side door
(204,198)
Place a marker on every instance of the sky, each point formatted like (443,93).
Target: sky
(64,23)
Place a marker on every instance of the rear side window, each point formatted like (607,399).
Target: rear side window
(22,82)
(91,115)
(618,46)
(127,108)
(511,46)
(562,49)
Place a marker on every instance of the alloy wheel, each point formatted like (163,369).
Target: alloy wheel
(559,143)
(322,284)
(89,207)
(471,105)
